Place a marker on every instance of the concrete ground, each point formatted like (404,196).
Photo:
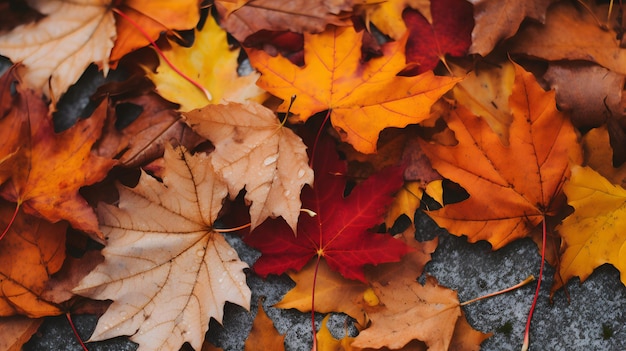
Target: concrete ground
(594,319)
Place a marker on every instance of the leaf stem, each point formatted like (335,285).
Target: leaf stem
(529,279)
(532,307)
(82,344)
(10,224)
(317,265)
(206,93)
(317,137)
(230,230)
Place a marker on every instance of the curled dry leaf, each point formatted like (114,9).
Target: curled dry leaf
(363,98)
(596,96)
(571,33)
(165,269)
(511,187)
(277,15)
(30,253)
(211,63)
(253,150)
(593,234)
(497,20)
(56,49)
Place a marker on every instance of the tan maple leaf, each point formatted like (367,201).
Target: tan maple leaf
(56,50)
(165,268)
(411,311)
(253,150)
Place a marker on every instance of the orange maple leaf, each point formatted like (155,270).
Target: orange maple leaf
(30,252)
(50,168)
(153,17)
(363,98)
(511,187)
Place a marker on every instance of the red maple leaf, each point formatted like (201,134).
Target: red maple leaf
(449,33)
(339,232)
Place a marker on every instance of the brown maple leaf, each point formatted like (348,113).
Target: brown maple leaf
(363,98)
(248,17)
(511,187)
(50,168)
(498,20)
(166,270)
(571,33)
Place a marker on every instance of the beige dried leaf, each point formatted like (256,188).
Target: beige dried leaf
(165,269)
(57,49)
(411,311)
(253,150)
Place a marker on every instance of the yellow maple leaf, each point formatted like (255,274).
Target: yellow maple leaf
(594,234)
(364,98)
(212,64)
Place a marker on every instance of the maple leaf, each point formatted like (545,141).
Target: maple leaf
(571,34)
(598,156)
(15,331)
(339,230)
(144,139)
(363,98)
(165,268)
(212,64)
(511,187)
(263,335)
(242,20)
(55,50)
(327,342)
(333,292)
(449,33)
(153,17)
(593,234)
(411,311)
(30,252)
(591,103)
(498,20)
(486,93)
(387,15)
(50,168)
(255,151)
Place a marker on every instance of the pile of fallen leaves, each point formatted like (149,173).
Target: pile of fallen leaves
(500,119)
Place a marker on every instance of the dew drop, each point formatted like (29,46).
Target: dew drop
(200,253)
(287,192)
(270,159)
(220,280)
(301,173)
